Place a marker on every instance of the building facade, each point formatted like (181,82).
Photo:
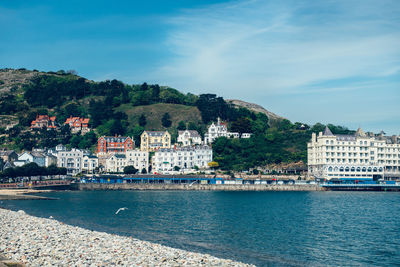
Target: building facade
(185,158)
(90,163)
(77,124)
(115,144)
(154,140)
(70,159)
(136,158)
(116,163)
(189,137)
(358,156)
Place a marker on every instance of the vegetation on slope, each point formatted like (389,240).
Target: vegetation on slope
(122,109)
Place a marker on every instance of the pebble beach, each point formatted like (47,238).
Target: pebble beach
(46,242)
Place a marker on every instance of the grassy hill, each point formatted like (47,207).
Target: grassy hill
(155,112)
(115,107)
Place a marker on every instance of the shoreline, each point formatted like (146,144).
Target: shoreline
(23,194)
(38,241)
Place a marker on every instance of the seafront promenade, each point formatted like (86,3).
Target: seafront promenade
(46,242)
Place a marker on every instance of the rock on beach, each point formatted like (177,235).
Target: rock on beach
(46,242)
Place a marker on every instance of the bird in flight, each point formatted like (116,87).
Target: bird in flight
(124,208)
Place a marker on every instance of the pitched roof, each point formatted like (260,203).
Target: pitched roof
(360,133)
(327,132)
(155,133)
(192,133)
(119,139)
(120,156)
(78,119)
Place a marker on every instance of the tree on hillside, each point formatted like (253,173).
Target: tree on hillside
(284,125)
(155,92)
(318,127)
(242,125)
(116,128)
(181,126)
(144,87)
(166,120)
(142,120)
(212,107)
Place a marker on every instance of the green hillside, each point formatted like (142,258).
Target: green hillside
(116,108)
(154,113)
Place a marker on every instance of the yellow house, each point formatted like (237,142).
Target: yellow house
(153,140)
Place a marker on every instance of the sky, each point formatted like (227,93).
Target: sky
(309,61)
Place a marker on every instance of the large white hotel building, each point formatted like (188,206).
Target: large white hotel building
(359,156)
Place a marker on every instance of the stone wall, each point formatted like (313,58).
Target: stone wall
(213,187)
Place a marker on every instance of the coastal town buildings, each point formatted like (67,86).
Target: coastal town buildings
(357,156)
(220,129)
(114,144)
(44,121)
(184,159)
(77,124)
(154,140)
(189,137)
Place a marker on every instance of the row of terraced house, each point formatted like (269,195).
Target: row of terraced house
(190,154)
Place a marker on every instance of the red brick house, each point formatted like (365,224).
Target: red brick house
(114,144)
(44,121)
(77,124)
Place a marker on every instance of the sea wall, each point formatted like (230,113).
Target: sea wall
(212,187)
(46,242)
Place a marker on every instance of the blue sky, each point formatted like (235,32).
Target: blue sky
(310,61)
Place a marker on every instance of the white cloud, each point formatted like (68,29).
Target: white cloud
(261,49)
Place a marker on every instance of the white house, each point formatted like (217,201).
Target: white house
(220,130)
(184,158)
(40,158)
(116,163)
(357,156)
(216,130)
(90,163)
(70,159)
(136,158)
(246,135)
(189,137)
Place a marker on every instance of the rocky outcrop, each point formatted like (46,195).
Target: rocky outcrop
(254,107)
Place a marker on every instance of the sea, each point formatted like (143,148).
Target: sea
(262,228)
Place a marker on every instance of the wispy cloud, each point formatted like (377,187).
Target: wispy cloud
(257,49)
(283,46)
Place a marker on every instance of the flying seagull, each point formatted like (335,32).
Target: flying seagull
(124,208)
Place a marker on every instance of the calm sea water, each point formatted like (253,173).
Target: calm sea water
(263,228)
